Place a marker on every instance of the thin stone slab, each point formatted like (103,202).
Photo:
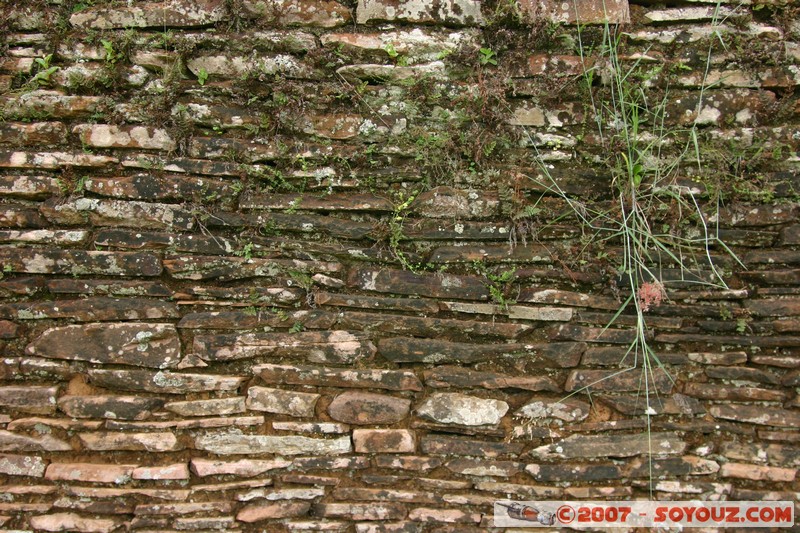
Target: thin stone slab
(79,262)
(331,346)
(355,407)
(22,465)
(92,309)
(336,377)
(163,382)
(460,409)
(279,401)
(619,445)
(107,406)
(114,441)
(148,345)
(14,442)
(240,444)
(33,399)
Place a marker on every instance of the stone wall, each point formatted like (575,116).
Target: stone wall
(308,265)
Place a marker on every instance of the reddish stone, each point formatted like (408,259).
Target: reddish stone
(365,408)
(384,441)
(261,511)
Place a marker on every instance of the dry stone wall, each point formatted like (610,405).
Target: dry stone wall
(318,265)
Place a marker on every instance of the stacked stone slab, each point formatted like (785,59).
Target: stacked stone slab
(248,284)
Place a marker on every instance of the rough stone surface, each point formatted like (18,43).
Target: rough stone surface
(153,345)
(453,408)
(316,265)
(300,404)
(364,408)
(383,441)
(239,444)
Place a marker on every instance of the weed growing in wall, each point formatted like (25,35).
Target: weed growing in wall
(657,222)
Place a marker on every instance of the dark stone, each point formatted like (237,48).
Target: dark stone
(757,414)
(573,472)
(334,377)
(233,268)
(611,445)
(316,346)
(264,317)
(430,327)
(92,309)
(413,350)
(459,377)
(409,283)
(79,262)
(445,445)
(148,345)
(114,407)
(616,381)
(329,202)
(364,408)
(32,399)
(375,302)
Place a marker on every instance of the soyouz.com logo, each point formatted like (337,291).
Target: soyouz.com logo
(686,514)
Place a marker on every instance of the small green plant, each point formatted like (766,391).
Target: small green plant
(44,70)
(112,55)
(246,252)
(202,76)
(487,57)
(497,283)
(397,57)
(396,220)
(297,327)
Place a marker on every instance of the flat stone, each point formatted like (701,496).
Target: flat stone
(114,441)
(228,67)
(163,382)
(392,495)
(299,404)
(14,442)
(315,13)
(410,349)
(459,377)
(109,136)
(613,380)
(408,462)
(92,309)
(572,472)
(589,446)
(567,410)
(149,509)
(397,380)
(588,12)
(147,187)
(313,428)
(742,374)
(113,407)
(80,262)
(422,326)
(444,445)
(197,423)
(384,441)
(375,302)
(756,414)
(175,13)
(331,346)
(360,511)
(232,268)
(483,467)
(263,318)
(73,522)
(36,134)
(261,511)
(241,468)
(90,473)
(103,493)
(22,465)
(117,213)
(363,408)
(53,160)
(780,308)
(710,391)
(177,471)
(32,399)
(282,494)
(449,516)
(758,472)
(330,202)
(240,444)
(18,216)
(115,288)
(215,407)
(701,13)
(540,314)
(453,408)
(718,358)
(451,12)
(408,283)
(148,345)
(50,103)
